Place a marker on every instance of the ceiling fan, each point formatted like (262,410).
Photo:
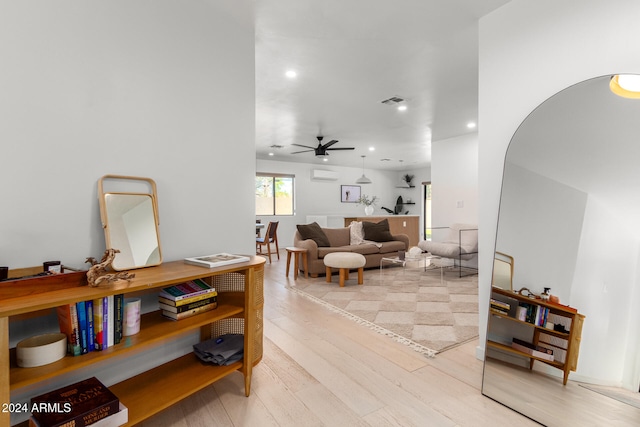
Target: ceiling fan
(321,150)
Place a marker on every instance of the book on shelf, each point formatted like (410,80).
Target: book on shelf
(216,260)
(98,324)
(185,290)
(80,404)
(500,304)
(118,419)
(107,326)
(109,321)
(186,307)
(118,310)
(68,322)
(530,349)
(90,322)
(82,326)
(179,316)
(188,300)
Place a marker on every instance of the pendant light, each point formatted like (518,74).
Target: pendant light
(363,179)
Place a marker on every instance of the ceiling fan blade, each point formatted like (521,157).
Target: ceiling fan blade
(330,143)
(305,146)
(342,148)
(303,151)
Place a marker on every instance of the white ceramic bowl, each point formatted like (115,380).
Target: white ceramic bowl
(41,350)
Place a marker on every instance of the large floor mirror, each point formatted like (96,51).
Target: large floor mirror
(569,218)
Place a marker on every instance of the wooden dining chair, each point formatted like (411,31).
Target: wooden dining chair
(270,236)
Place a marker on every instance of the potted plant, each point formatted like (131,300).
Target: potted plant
(368,203)
(407,178)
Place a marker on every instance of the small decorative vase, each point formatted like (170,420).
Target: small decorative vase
(368,210)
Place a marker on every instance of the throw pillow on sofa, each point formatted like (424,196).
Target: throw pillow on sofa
(356,233)
(314,232)
(377,231)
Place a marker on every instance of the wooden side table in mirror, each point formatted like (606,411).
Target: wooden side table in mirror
(130,220)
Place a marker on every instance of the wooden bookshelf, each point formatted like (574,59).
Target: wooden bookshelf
(566,343)
(240,305)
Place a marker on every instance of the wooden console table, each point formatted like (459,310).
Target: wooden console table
(240,305)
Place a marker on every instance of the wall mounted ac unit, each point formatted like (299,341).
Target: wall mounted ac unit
(322,175)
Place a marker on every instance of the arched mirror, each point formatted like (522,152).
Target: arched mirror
(569,214)
(129,212)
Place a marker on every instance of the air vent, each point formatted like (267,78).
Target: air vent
(385,160)
(276,146)
(394,100)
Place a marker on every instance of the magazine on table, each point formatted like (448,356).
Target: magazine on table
(216,260)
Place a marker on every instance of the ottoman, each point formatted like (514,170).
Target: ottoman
(344,261)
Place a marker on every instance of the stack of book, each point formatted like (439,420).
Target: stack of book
(92,325)
(187,299)
(85,403)
(500,307)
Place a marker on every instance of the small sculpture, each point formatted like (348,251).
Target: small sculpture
(98,272)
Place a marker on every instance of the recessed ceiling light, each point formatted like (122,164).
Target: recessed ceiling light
(402,108)
(271,154)
(291,74)
(471,125)
(325,159)
(626,85)
(372,148)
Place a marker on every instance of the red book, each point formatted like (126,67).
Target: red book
(68,322)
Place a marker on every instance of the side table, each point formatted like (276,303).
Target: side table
(297,254)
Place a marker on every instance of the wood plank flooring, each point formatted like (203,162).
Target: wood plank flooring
(321,369)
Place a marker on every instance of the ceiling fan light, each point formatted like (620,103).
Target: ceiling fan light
(625,85)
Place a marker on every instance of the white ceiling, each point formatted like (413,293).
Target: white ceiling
(350,55)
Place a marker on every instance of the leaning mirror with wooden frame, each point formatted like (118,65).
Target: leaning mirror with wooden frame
(129,216)
(568,218)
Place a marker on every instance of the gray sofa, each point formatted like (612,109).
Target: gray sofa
(340,241)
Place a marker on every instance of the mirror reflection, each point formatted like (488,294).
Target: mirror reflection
(130,224)
(567,218)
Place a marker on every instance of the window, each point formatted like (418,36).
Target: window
(274,194)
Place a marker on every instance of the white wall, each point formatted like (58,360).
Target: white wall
(125,88)
(528,52)
(323,197)
(454,179)
(540,220)
(132,88)
(605,276)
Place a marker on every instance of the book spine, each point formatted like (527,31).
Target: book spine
(187,300)
(105,322)
(82,325)
(185,314)
(77,349)
(65,321)
(118,308)
(187,307)
(109,322)
(97,324)
(90,332)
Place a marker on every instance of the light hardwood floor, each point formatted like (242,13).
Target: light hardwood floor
(322,369)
